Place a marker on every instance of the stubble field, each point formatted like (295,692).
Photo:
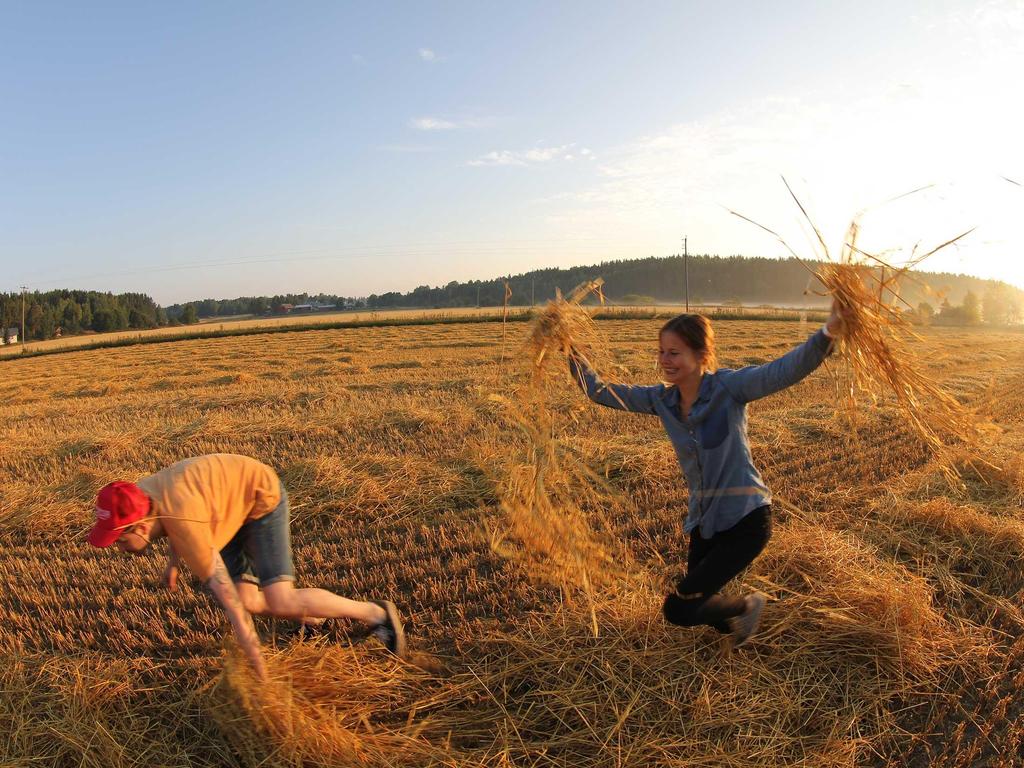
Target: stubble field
(210,326)
(894,635)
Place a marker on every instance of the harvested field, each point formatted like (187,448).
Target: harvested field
(235,326)
(214,325)
(894,635)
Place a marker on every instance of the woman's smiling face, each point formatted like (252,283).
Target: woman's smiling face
(676,358)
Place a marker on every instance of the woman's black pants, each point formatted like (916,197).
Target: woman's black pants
(710,565)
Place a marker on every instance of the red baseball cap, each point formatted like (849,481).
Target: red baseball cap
(118,505)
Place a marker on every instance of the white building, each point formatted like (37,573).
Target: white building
(10,335)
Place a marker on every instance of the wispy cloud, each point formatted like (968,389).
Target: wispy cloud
(358,59)
(992,22)
(429,123)
(428,54)
(408,149)
(533,156)
(842,156)
(432,124)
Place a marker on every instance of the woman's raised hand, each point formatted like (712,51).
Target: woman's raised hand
(836,323)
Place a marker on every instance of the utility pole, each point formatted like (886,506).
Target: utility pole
(23,289)
(686,273)
(533,286)
(478,296)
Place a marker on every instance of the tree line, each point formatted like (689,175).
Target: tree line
(1000,304)
(253,305)
(719,280)
(65,312)
(940,298)
(712,280)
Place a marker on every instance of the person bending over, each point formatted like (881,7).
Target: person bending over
(226,517)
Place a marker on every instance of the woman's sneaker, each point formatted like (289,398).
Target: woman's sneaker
(390,633)
(745,625)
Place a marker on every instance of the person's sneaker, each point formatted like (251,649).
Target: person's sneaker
(390,633)
(745,625)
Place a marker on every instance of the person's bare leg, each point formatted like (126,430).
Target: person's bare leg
(308,605)
(255,603)
(252,598)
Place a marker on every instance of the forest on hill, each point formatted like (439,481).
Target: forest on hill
(712,280)
(662,280)
(67,312)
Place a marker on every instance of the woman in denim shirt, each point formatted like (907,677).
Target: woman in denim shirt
(704,412)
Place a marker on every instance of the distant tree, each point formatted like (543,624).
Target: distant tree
(137,319)
(106,319)
(995,304)
(971,308)
(925,312)
(949,315)
(34,321)
(1015,312)
(189,315)
(71,316)
(50,322)
(9,312)
(258,306)
(142,310)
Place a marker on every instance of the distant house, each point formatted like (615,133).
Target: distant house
(302,309)
(10,335)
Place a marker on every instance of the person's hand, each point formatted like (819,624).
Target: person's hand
(836,323)
(170,577)
(259,667)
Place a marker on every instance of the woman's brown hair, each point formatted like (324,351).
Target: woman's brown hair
(696,331)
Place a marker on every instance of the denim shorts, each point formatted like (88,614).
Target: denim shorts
(261,552)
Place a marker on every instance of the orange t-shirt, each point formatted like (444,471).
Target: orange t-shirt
(203,501)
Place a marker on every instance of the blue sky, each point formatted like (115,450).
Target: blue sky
(189,150)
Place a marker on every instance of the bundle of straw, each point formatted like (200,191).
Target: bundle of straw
(876,345)
(562,324)
(878,360)
(544,498)
(303,720)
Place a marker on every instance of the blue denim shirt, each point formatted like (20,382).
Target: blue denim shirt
(711,443)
